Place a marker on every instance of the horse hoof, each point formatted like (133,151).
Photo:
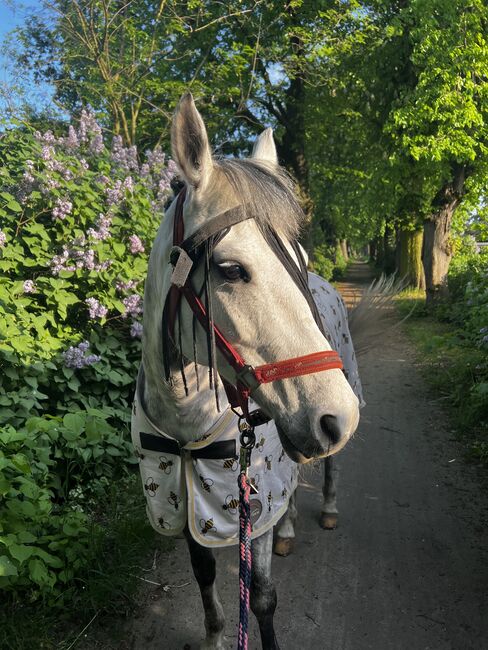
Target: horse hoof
(284,546)
(328,521)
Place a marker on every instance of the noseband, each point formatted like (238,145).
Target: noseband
(185,256)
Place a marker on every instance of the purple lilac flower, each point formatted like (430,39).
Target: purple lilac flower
(485,339)
(88,126)
(145,170)
(114,195)
(89,259)
(76,357)
(62,208)
(29,286)
(103,266)
(84,165)
(155,158)
(71,141)
(135,245)
(48,137)
(101,232)
(28,173)
(3,239)
(132,161)
(122,287)
(104,180)
(96,145)
(133,306)
(49,184)
(47,153)
(95,308)
(128,184)
(118,151)
(136,330)
(172,168)
(126,157)
(58,262)
(164,188)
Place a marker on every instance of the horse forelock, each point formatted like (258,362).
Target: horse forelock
(267,191)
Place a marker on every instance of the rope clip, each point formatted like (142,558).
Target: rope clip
(247,440)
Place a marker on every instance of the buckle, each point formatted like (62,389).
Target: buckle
(247,378)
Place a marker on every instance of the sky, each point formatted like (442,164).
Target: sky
(13,14)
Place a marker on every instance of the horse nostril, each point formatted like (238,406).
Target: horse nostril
(330,426)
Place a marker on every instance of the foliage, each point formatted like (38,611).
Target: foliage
(118,539)
(400,120)
(75,221)
(468,282)
(454,342)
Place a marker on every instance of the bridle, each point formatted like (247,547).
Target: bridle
(185,256)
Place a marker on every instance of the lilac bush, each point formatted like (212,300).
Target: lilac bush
(72,272)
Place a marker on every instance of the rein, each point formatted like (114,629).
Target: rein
(185,256)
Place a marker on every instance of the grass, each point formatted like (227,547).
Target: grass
(455,370)
(108,589)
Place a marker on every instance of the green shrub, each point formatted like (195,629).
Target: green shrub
(468,285)
(76,221)
(328,262)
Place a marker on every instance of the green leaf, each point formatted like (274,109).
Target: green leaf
(51,560)
(21,462)
(20,552)
(6,567)
(26,537)
(75,422)
(38,572)
(14,206)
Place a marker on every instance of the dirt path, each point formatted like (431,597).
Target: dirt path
(406,569)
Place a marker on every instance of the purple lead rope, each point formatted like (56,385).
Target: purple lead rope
(247,440)
(244,560)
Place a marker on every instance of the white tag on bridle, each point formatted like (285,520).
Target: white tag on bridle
(182,269)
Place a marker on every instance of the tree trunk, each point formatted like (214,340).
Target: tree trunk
(436,249)
(410,266)
(292,147)
(343,247)
(436,254)
(380,252)
(372,250)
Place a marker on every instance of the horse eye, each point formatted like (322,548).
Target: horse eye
(233,272)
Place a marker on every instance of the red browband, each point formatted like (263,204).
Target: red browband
(247,377)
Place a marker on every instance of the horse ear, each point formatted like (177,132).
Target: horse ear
(265,148)
(189,143)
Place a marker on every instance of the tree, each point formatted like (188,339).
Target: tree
(441,120)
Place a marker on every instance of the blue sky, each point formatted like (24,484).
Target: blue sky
(13,14)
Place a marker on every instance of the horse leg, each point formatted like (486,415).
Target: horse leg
(203,563)
(285,536)
(263,592)
(328,516)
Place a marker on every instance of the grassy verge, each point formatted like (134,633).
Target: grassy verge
(122,542)
(455,370)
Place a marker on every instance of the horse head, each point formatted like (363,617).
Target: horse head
(256,304)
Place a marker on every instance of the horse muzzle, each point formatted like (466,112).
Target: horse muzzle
(327,435)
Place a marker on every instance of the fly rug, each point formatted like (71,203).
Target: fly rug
(238,382)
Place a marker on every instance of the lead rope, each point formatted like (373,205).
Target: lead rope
(247,440)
